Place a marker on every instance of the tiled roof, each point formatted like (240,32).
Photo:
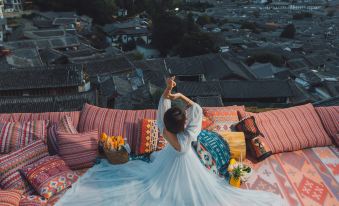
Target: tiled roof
(40,78)
(329,102)
(32,104)
(213,101)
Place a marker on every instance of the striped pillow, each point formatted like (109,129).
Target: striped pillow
(49,176)
(15,135)
(10,197)
(330,119)
(10,164)
(292,129)
(53,117)
(65,125)
(115,122)
(78,150)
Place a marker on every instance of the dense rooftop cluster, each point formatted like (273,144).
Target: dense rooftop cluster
(56,61)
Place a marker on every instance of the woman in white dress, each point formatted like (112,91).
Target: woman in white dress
(174,177)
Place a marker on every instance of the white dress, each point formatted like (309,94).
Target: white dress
(172,178)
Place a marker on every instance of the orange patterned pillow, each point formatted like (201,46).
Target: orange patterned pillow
(10,197)
(149,136)
(222,119)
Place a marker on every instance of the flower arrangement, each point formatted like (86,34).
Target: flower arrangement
(115,148)
(112,143)
(239,172)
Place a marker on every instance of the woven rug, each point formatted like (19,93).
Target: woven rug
(306,177)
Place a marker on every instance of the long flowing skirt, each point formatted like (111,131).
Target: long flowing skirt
(172,178)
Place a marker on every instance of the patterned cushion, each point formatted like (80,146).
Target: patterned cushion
(10,197)
(65,125)
(33,200)
(292,129)
(78,150)
(49,176)
(10,164)
(222,119)
(213,152)
(53,117)
(15,135)
(149,136)
(115,122)
(330,119)
(248,126)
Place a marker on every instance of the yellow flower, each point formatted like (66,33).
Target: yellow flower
(103,137)
(233,161)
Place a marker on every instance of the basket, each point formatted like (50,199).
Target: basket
(117,157)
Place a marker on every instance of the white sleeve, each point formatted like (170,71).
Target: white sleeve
(164,105)
(193,128)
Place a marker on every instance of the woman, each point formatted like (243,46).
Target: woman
(174,177)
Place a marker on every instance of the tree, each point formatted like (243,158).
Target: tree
(203,20)
(196,43)
(251,26)
(168,31)
(288,32)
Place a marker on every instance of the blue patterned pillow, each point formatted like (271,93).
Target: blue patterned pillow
(213,152)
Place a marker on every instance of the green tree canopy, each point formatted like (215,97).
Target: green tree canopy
(196,43)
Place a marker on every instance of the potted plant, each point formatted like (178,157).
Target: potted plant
(235,180)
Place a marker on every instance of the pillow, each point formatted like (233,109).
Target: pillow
(33,200)
(222,119)
(115,122)
(79,150)
(330,119)
(49,176)
(213,152)
(237,144)
(10,164)
(292,129)
(15,135)
(259,148)
(10,197)
(149,136)
(248,127)
(65,125)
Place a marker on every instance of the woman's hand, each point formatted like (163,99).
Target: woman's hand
(171,83)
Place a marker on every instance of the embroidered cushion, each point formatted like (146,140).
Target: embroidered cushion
(10,164)
(330,119)
(10,197)
(222,119)
(115,122)
(248,126)
(33,200)
(78,150)
(65,125)
(149,136)
(292,129)
(213,152)
(49,176)
(15,135)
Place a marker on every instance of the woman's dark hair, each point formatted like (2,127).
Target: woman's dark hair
(174,120)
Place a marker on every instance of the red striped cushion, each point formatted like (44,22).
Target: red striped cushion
(49,176)
(114,122)
(330,119)
(78,150)
(10,164)
(65,125)
(10,197)
(292,129)
(53,117)
(15,135)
